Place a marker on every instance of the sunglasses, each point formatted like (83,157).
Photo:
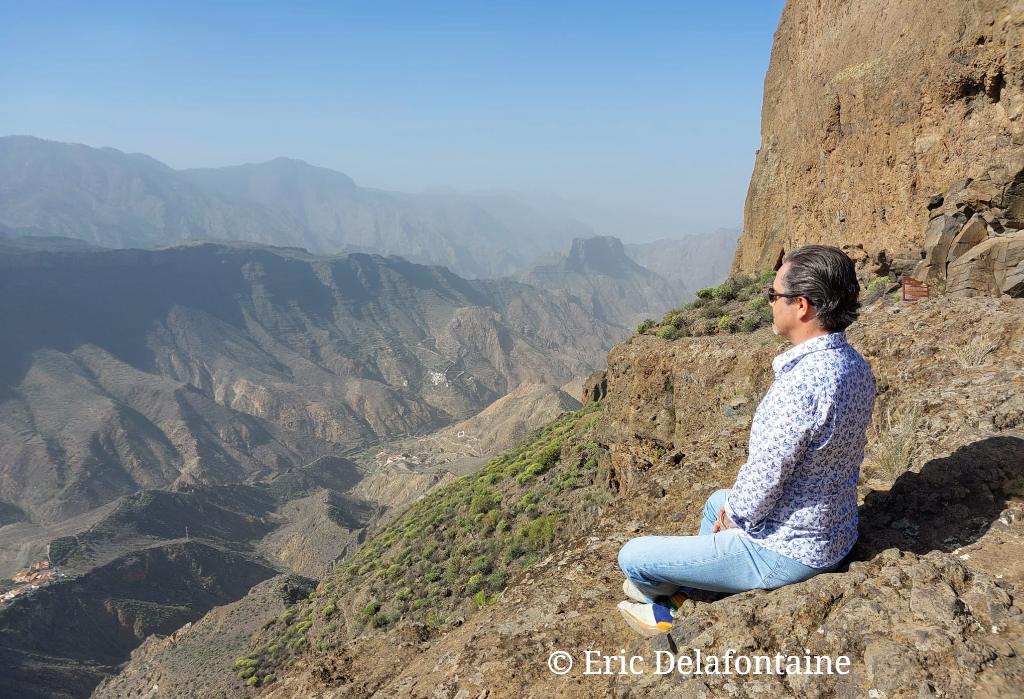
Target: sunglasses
(773,295)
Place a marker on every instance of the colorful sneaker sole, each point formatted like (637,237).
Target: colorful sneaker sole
(640,626)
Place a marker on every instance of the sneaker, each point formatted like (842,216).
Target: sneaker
(673,601)
(646,619)
(630,590)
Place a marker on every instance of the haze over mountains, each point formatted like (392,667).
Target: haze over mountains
(114,199)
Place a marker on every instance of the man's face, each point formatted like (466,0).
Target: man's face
(783,310)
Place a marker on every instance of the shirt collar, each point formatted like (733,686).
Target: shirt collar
(785,361)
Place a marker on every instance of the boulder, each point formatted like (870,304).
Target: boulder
(595,387)
(937,241)
(974,232)
(993,267)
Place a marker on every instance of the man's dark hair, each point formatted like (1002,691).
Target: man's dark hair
(826,277)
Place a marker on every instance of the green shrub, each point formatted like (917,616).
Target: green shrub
(540,532)
(550,454)
(726,324)
(750,324)
(670,317)
(482,599)
(759,302)
(875,290)
(497,580)
(706,293)
(480,564)
(484,501)
(644,326)
(726,291)
(666,332)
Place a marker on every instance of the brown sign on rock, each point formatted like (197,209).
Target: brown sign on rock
(914,289)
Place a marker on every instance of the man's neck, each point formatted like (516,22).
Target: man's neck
(804,334)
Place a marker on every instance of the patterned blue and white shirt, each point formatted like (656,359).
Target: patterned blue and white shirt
(797,492)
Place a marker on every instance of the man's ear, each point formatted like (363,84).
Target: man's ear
(806,310)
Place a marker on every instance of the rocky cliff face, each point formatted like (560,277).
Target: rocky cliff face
(872,109)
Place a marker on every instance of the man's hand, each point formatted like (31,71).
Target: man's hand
(723,522)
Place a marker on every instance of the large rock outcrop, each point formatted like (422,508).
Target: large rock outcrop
(871,109)
(973,244)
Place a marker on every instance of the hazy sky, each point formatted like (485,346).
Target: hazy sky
(647,106)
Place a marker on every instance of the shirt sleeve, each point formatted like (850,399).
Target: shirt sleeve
(778,441)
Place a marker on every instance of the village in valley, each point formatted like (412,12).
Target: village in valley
(39,574)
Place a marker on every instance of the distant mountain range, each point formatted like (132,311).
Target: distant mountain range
(112,199)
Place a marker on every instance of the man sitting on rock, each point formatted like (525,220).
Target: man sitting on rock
(792,512)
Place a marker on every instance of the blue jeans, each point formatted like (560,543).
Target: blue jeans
(722,562)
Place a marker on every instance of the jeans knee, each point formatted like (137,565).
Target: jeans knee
(628,556)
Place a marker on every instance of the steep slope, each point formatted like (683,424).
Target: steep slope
(870,110)
(128,369)
(167,665)
(457,546)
